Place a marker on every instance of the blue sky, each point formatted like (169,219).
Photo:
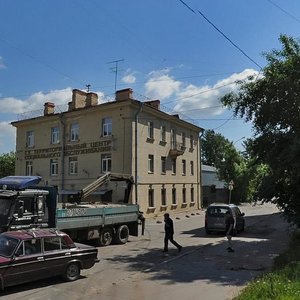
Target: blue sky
(48,48)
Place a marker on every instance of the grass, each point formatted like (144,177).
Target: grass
(283,283)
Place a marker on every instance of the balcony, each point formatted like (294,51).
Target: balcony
(176,150)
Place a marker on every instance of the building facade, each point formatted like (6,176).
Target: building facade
(70,149)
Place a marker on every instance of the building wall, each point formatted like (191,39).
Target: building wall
(125,115)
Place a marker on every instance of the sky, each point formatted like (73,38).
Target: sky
(187,54)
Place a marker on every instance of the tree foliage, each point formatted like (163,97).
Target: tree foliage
(7,164)
(272,102)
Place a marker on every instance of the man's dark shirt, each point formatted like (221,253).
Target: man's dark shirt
(169,228)
(229,221)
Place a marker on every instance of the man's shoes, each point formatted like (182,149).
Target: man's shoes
(165,251)
(179,248)
(229,249)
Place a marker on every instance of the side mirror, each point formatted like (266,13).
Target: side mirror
(21,209)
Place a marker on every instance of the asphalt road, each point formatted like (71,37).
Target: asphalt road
(203,270)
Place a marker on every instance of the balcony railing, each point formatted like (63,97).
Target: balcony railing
(176,149)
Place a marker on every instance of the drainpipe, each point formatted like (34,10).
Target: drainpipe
(62,153)
(136,152)
(199,172)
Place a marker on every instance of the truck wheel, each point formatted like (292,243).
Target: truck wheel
(122,234)
(106,237)
(72,272)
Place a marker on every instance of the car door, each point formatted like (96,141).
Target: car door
(57,254)
(26,264)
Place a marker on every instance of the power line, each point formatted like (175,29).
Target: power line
(284,11)
(223,34)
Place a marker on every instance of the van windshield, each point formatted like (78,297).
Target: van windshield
(217,211)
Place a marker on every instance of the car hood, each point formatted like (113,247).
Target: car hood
(83,246)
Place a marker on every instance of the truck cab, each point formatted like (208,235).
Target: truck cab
(21,206)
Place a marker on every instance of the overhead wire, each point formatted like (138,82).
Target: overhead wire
(222,33)
(284,11)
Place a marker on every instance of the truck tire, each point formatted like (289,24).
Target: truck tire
(106,236)
(122,235)
(72,272)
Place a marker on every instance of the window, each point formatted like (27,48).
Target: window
(191,142)
(74,132)
(184,195)
(54,244)
(151,197)
(73,166)
(105,163)
(150,130)
(54,135)
(163,197)
(174,200)
(32,246)
(29,168)
(192,167)
(29,139)
(173,166)
(173,139)
(183,139)
(106,126)
(150,163)
(192,195)
(183,167)
(163,133)
(163,164)
(53,167)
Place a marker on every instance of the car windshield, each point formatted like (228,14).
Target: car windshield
(7,245)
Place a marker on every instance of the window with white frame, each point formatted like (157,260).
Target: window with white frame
(184,195)
(191,142)
(107,127)
(150,130)
(173,166)
(54,135)
(163,193)
(74,132)
(30,138)
(173,138)
(174,198)
(151,197)
(183,139)
(163,133)
(53,167)
(105,163)
(192,195)
(73,165)
(183,167)
(150,163)
(29,168)
(163,164)
(192,167)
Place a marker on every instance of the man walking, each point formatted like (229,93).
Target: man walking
(169,232)
(229,229)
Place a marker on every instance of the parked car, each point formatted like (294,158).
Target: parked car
(33,254)
(215,217)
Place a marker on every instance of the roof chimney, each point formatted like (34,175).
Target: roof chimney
(124,94)
(154,103)
(91,99)
(49,108)
(78,99)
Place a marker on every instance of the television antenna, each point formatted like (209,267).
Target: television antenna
(115,69)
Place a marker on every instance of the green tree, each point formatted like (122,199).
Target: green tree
(7,164)
(272,102)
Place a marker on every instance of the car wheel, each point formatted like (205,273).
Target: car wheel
(72,272)
(106,237)
(122,234)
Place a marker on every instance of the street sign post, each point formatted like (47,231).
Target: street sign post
(230,187)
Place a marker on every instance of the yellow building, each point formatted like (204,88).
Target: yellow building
(70,149)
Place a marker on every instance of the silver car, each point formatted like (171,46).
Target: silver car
(215,217)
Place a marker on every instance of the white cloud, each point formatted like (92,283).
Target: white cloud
(7,137)
(129,78)
(161,85)
(192,100)
(2,65)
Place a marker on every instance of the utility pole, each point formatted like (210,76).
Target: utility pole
(115,69)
